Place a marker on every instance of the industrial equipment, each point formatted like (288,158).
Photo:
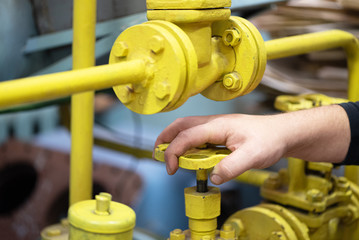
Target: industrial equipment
(190,47)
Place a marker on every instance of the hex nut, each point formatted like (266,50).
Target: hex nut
(202,205)
(272,182)
(177,234)
(343,184)
(314,195)
(227,232)
(120,49)
(232,81)
(162,90)
(231,37)
(156,44)
(125,95)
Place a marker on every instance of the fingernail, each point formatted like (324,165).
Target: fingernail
(216,179)
(169,170)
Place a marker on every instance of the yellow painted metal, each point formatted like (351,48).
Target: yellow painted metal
(82,104)
(260,222)
(202,210)
(228,232)
(101,219)
(166,84)
(250,59)
(296,45)
(62,84)
(189,16)
(196,158)
(191,61)
(58,231)
(254,177)
(287,103)
(306,43)
(187,4)
(177,234)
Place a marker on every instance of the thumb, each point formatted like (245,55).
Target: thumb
(231,166)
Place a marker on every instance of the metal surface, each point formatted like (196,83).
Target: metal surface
(82,104)
(250,59)
(287,103)
(202,202)
(196,158)
(63,84)
(101,219)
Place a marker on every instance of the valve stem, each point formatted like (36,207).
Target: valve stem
(202,180)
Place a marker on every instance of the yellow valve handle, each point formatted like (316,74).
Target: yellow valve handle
(288,103)
(205,157)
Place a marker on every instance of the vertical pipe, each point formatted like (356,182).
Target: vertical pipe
(297,177)
(82,105)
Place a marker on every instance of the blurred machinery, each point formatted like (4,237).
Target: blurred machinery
(190,47)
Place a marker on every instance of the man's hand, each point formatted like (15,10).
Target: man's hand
(321,134)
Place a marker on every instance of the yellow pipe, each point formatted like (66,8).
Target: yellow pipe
(297,177)
(306,43)
(62,84)
(254,177)
(82,104)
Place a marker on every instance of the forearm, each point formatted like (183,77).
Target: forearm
(320,134)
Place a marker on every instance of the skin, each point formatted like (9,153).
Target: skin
(319,134)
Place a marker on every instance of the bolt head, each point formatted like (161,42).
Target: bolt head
(343,184)
(231,37)
(314,195)
(156,44)
(125,95)
(232,81)
(162,90)
(177,234)
(227,232)
(120,49)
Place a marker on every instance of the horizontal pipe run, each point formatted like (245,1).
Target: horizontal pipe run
(306,43)
(254,177)
(63,84)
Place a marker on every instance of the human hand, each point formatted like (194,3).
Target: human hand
(321,134)
(252,142)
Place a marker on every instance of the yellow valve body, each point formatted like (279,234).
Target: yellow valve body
(90,220)
(250,58)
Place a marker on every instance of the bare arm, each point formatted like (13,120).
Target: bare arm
(320,134)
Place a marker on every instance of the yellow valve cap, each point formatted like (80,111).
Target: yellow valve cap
(102,215)
(202,205)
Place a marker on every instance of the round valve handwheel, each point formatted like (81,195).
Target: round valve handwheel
(196,158)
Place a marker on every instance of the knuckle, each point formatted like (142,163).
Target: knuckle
(179,121)
(184,135)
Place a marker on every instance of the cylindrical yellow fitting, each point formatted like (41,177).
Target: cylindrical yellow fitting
(101,219)
(202,209)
